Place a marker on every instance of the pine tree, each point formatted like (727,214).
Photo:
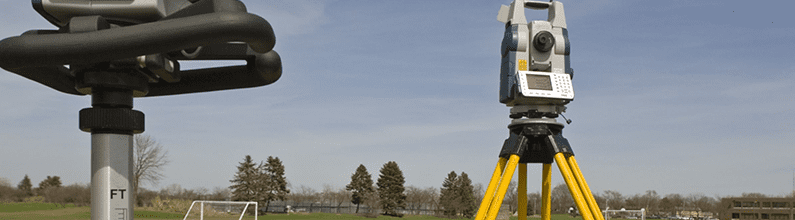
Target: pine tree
(457,195)
(448,197)
(276,182)
(390,188)
(50,181)
(26,186)
(361,185)
(244,184)
(466,195)
(47,183)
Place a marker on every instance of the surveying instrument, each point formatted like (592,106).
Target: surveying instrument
(115,50)
(535,81)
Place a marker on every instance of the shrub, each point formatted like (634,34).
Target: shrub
(79,195)
(369,215)
(170,205)
(9,194)
(144,197)
(34,199)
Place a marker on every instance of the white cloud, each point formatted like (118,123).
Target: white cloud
(291,18)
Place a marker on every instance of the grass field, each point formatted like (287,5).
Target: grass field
(37,211)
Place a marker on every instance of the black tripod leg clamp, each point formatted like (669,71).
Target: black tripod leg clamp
(560,144)
(515,144)
(535,147)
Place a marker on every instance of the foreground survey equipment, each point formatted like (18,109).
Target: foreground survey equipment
(117,50)
(536,82)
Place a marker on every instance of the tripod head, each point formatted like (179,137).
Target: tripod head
(116,50)
(137,45)
(535,75)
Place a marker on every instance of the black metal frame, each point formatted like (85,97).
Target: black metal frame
(105,44)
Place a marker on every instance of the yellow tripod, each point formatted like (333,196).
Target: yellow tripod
(537,140)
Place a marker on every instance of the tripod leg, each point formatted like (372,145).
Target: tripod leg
(546,195)
(522,191)
(495,180)
(585,189)
(574,189)
(494,208)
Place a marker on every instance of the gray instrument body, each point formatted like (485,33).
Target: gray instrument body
(536,50)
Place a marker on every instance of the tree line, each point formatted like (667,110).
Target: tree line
(674,204)
(149,158)
(48,190)
(458,197)
(265,182)
(51,190)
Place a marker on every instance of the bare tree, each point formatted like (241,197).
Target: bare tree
(414,198)
(511,197)
(5,182)
(650,201)
(600,200)
(534,202)
(173,190)
(671,203)
(373,203)
(699,202)
(327,195)
(479,192)
(149,160)
(614,199)
(561,198)
(633,202)
(334,197)
(431,196)
(303,194)
(341,196)
(221,194)
(7,191)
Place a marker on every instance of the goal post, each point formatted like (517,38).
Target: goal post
(608,211)
(202,202)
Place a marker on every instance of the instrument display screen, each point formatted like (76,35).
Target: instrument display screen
(541,82)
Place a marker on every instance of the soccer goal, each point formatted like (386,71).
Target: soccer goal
(633,213)
(218,209)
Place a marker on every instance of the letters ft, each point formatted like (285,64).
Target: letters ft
(113,192)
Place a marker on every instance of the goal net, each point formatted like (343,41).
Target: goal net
(627,214)
(200,210)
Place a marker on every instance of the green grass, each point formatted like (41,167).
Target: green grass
(342,216)
(157,215)
(37,211)
(23,207)
(47,211)
(553,217)
(559,217)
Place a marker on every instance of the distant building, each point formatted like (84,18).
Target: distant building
(694,213)
(758,209)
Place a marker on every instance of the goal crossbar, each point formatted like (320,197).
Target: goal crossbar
(202,202)
(608,210)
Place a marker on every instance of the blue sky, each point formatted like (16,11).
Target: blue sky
(673,96)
